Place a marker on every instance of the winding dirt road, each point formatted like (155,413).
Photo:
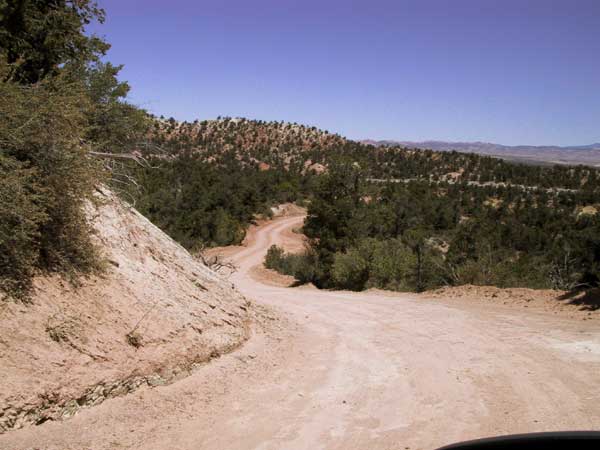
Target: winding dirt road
(341,370)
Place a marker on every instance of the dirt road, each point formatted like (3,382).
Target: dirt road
(340,370)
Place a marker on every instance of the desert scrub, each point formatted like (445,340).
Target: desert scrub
(61,108)
(46,180)
(302,266)
(21,216)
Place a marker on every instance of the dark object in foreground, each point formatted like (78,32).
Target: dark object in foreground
(567,440)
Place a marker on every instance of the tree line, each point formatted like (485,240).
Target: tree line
(418,235)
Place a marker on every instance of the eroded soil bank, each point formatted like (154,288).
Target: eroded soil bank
(154,316)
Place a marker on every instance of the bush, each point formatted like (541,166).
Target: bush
(350,270)
(21,216)
(305,267)
(274,258)
(60,107)
(41,135)
(302,266)
(387,264)
(226,230)
(392,265)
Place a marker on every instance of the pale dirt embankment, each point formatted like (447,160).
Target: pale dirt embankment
(354,371)
(70,349)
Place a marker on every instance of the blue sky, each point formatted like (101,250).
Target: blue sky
(511,72)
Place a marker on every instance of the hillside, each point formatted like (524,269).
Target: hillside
(299,149)
(389,217)
(527,154)
(155,315)
(254,142)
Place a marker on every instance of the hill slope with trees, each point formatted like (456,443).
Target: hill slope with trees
(390,217)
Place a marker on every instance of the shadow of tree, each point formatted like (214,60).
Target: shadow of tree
(588,299)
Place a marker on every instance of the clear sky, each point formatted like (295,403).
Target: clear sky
(504,71)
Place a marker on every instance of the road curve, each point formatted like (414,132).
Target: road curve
(400,371)
(341,370)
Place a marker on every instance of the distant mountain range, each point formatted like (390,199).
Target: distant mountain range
(582,154)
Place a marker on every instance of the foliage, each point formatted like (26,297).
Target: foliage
(350,269)
(41,130)
(202,203)
(58,104)
(302,266)
(114,125)
(418,235)
(387,217)
(39,37)
(21,216)
(275,258)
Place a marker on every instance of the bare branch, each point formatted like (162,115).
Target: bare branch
(123,156)
(216,262)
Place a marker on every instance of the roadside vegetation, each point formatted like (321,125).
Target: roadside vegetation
(418,235)
(301,266)
(208,203)
(60,104)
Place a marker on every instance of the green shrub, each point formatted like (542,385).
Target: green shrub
(60,108)
(21,217)
(305,266)
(274,258)
(227,231)
(350,270)
(392,265)
(302,266)
(41,136)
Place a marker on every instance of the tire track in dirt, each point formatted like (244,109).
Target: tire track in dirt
(343,370)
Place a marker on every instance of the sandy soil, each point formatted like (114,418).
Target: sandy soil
(153,317)
(584,305)
(341,370)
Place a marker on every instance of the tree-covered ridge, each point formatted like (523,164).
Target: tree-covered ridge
(207,180)
(296,147)
(401,163)
(272,143)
